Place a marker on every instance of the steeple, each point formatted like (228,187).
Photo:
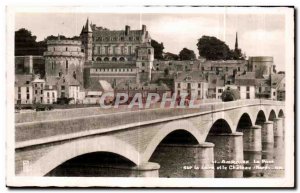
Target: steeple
(236,42)
(88,26)
(82,30)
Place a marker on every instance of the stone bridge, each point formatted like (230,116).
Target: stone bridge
(218,131)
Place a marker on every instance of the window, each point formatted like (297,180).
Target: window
(220,90)
(199,92)
(149,51)
(226,68)
(199,85)
(137,38)
(19,96)
(27,97)
(122,38)
(238,88)
(178,85)
(259,89)
(143,71)
(48,101)
(274,93)
(189,85)
(248,96)
(48,94)
(67,64)
(248,88)
(35,91)
(178,93)
(143,64)
(129,49)
(19,89)
(122,49)
(106,49)
(52,66)
(53,95)
(41,91)
(66,48)
(41,99)
(239,69)
(62,87)
(35,85)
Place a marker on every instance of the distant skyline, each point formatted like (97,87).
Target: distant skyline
(258,34)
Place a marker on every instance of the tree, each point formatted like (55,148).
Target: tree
(213,49)
(230,95)
(26,44)
(186,54)
(171,56)
(158,49)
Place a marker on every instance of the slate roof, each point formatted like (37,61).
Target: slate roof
(21,80)
(194,76)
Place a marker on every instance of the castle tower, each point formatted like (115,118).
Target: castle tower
(64,57)
(144,62)
(86,36)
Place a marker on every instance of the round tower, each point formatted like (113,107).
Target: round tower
(64,57)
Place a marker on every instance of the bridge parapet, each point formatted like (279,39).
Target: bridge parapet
(30,133)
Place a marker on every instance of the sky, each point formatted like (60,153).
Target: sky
(258,34)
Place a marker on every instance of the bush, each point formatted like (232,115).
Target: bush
(230,95)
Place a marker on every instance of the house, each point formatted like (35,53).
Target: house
(38,86)
(192,84)
(246,84)
(216,86)
(23,89)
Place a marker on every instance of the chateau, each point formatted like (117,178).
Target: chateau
(123,60)
(116,56)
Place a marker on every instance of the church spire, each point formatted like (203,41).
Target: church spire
(88,26)
(236,41)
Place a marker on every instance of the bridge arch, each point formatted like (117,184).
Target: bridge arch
(272,115)
(220,126)
(169,128)
(260,118)
(244,122)
(72,149)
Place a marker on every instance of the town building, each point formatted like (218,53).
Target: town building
(23,89)
(192,84)
(38,85)
(246,85)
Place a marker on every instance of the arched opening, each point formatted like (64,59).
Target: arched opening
(106,59)
(98,59)
(114,59)
(174,151)
(122,59)
(272,115)
(244,123)
(220,126)
(95,164)
(260,118)
(280,114)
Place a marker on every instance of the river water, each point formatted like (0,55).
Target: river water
(179,161)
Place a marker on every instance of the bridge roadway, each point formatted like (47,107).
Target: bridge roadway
(131,133)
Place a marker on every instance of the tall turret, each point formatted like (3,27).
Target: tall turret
(87,40)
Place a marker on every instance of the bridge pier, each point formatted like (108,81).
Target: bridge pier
(147,169)
(252,138)
(278,127)
(228,154)
(267,132)
(181,160)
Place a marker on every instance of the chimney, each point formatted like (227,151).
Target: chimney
(127,30)
(144,29)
